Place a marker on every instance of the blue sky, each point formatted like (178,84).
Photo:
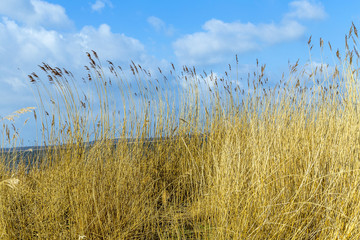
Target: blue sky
(205,34)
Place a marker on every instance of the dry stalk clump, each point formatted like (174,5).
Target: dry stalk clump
(208,160)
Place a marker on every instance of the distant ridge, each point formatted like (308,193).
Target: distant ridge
(88,144)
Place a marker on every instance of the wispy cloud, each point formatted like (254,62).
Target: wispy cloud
(160,26)
(100,4)
(306,10)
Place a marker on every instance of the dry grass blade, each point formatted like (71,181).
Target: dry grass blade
(11,183)
(17,113)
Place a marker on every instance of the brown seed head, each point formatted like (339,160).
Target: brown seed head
(32,80)
(95,54)
(355,30)
(338,54)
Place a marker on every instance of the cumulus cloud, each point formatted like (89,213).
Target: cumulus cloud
(160,26)
(219,39)
(30,34)
(35,13)
(29,46)
(17,9)
(109,45)
(24,46)
(306,10)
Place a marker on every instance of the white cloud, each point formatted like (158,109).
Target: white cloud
(160,26)
(156,23)
(17,9)
(15,83)
(109,45)
(25,44)
(321,69)
(31,46)
(304,9)
(22,48)
(34,13)
(100,4)
(220,39)
(203,82)
(30,35)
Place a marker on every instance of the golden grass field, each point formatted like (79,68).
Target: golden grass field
(277,162)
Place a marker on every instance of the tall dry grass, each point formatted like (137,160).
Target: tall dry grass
(268,163)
